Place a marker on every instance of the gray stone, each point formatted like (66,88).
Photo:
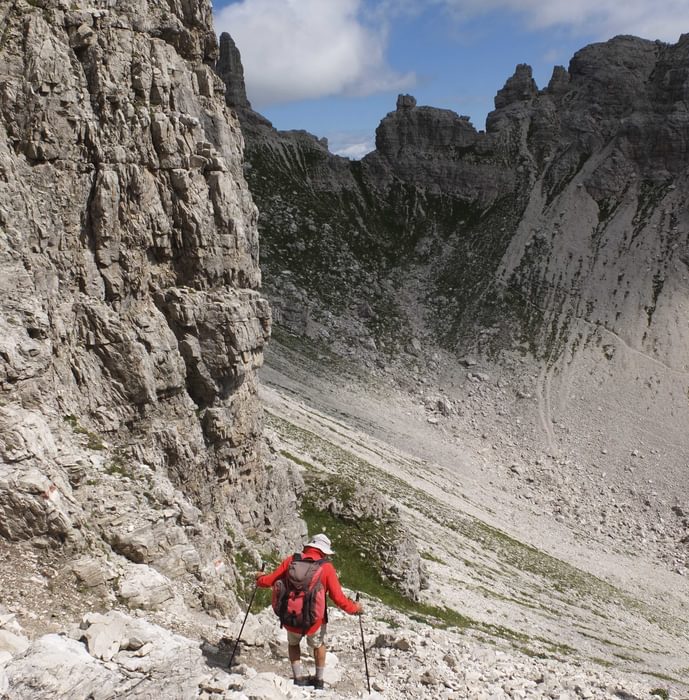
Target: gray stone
(91,572)
(140,586)
(56,667)
(267,686)
(105,635)
(12,643)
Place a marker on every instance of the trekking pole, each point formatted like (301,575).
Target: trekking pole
(241,629)
(363,646)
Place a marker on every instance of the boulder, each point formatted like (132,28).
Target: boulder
(59,667)
(141,586)
(12,643)
(105,635)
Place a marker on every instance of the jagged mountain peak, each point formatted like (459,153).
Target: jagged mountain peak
(229,67)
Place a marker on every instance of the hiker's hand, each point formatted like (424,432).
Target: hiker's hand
(360,608)
(258,575)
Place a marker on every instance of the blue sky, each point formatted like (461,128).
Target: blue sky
(335,67)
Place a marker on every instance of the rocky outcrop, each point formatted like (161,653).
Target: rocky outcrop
(108,656)
(115,655)
(132,325)
(229,68)
(521,87)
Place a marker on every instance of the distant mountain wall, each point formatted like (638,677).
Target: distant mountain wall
(561,232)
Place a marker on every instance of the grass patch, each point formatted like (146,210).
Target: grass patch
(246,566)
(355,544)
(661,676)
(431,557)
(93,440)
(115,468)
(297,460)
(359,568)
(390,622)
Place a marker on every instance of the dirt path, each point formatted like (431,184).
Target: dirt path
(544,409)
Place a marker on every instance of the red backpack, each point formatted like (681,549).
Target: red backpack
(299,596)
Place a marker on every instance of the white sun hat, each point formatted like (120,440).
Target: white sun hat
(321,542)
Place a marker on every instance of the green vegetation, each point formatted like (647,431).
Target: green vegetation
(431,557)
(246,566)
(548,649)
(563,170)
(360,570)
(464,293)
(116,468)
(297,460)
(661,693)
(658,283)
(650,195)
(626,657)
(93,440)
(606,210)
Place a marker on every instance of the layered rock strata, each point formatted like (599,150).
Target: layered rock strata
(132,325)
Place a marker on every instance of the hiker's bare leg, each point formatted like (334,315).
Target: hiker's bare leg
(294,653)
(319,658)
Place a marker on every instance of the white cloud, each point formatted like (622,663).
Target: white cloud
(649,19)
(306,49)
(351,144)
(302,49)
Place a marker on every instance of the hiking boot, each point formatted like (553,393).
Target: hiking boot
(304,680)
(317,683)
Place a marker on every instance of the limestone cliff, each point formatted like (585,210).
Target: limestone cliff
(132,325)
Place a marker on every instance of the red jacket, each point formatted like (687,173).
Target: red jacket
(328,578)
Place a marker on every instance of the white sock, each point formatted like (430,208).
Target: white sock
(319,672)
(297,669)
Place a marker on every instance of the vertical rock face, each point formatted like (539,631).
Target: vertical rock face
(229,68)
(131,323)
(520,87)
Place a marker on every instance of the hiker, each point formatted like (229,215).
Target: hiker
(304,615)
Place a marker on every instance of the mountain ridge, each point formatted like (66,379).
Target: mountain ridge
(552,248)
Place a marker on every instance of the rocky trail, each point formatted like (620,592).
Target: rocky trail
(116,655)
(504,563)
(514,604)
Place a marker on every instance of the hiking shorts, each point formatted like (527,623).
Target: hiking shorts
(313,641)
